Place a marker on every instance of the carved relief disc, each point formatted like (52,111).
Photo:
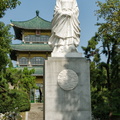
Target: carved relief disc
(67,79)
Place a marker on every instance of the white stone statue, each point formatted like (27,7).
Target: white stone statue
(65,27)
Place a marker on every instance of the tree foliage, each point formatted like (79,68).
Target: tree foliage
(5,40)
(21,79)
(7,4)
(105,75)
(15,86)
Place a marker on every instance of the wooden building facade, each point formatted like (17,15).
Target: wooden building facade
(33,49)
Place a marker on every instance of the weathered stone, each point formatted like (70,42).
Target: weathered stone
(64,104)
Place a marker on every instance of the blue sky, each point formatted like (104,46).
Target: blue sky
(27,10)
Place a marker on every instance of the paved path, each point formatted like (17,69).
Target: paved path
(36,112)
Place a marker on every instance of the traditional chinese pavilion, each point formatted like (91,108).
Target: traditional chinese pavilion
(34,48)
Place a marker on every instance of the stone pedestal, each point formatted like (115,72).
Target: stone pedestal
(67,89)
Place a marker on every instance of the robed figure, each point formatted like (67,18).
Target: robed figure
(65,27)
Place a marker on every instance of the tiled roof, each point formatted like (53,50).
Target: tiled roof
(37,23)
(31,47)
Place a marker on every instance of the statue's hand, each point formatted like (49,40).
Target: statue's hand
(70,13)
(67,13)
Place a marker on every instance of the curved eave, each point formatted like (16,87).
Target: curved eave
(23,28)
(37,23)
(31,50)
(28,48)
(31,47)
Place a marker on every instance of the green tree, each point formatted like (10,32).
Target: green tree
(21,81)
(105,75)
(7,4)
(5,40)
(5,36)
(15,90)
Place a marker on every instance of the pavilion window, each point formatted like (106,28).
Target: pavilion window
(37,38)
(27,38)
(37,61)
(23,61)
(44,38)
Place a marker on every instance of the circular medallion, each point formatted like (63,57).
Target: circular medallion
(67,79)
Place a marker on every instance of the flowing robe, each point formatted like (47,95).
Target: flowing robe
(65,24)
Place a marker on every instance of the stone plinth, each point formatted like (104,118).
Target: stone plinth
(72,54)
(67,89)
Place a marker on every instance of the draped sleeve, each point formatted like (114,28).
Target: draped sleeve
(75,8)
(65,24)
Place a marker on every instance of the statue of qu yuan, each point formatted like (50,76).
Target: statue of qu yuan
(65,35)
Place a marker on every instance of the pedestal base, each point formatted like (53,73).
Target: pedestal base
(73,54)
(67,89)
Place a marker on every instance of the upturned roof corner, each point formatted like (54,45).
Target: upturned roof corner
(36,23)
